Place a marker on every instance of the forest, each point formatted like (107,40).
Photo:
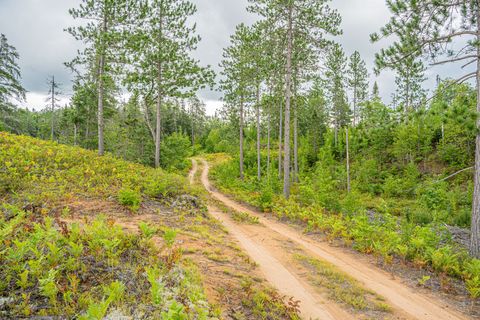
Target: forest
(116,182)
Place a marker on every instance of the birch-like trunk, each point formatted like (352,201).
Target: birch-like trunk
(241,139)
(259,156)
(288,81)
(101,89)
(475,223)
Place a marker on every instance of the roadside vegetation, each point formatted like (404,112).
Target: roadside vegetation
(363,221)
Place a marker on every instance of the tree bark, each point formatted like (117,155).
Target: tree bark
(295,133)
(241,138)
(53,108)
(268,140)
(288,80)
(74,134)
(159,96)
(475,223)
(259,156)
(159,116)
(348,159)
(295,144)
(280,146)
(101,71)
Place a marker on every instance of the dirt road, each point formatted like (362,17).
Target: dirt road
(263,243)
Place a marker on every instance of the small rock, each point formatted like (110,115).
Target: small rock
(5,301)
(116,315)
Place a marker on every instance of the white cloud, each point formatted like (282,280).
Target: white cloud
(212,106)
(38,101)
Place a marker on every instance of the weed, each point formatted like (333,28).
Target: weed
(245,217)
(130,198)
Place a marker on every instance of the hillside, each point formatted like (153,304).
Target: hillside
(83,236)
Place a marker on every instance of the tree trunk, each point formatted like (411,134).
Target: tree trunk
(268,141)
(295,144)
(158,128)
(475,223)
(241,138)
(74,134)
(348,159)
(288,80)
(259,156)
(355,103)
(159,116)
(101,71)
(53,108)
(280,137)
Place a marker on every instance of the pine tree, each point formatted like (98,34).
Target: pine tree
(336,84)
(104,19)
(160,47)
(375,91)
(237,74)
(305,20)
(52,100)
(358,83)
(409,93)
(425,28)
(10,86)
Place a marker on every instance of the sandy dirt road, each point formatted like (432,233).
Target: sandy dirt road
(263,243)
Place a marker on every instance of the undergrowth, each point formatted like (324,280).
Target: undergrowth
(88,270)
(378,232)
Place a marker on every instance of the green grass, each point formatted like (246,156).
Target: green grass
(45,175)
(244,217)
(341,287)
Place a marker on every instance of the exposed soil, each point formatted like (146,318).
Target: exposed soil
(407,302)
(230,277)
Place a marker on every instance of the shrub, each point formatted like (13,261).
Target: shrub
(130,198)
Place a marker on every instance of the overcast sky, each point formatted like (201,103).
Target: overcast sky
(36,29)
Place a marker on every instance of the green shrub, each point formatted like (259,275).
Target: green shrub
(130,198)
(352,204)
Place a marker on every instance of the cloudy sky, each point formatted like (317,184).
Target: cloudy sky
(36,29)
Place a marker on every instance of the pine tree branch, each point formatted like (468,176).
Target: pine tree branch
(455,59)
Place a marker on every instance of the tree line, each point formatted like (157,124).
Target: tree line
(291,72)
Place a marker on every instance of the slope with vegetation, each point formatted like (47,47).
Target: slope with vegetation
(86,237)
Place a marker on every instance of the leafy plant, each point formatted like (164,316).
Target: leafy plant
(130,198)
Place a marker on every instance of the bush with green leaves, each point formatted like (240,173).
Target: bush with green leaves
(130,198)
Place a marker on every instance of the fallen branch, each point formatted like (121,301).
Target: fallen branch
(454,174)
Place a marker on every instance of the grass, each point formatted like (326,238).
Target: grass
(244,217)
(341,287)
